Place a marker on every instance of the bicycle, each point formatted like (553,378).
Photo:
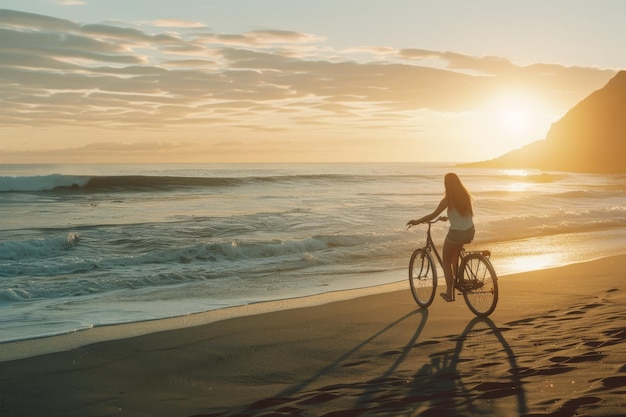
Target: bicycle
(475,276)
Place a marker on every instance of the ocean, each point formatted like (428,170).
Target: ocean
(94,245)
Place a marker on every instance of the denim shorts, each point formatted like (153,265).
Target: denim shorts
(460,237)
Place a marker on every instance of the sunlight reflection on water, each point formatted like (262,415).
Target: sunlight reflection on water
(556,250)
(518,187)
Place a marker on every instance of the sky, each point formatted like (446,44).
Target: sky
(127,81)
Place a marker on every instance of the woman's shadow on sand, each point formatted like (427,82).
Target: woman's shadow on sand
(466,374)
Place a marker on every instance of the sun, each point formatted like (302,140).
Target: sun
(515,122)
(515,113)
(511,118)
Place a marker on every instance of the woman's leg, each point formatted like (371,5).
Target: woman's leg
(450,262)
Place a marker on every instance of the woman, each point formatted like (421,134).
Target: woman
(458,202)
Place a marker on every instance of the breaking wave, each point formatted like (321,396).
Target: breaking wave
(130,183)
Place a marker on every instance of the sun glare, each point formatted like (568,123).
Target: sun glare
(515,122)
(516,114)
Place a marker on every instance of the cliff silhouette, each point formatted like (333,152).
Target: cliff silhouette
(590,138)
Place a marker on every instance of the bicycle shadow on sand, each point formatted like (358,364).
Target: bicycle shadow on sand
(474,373)
(480,376)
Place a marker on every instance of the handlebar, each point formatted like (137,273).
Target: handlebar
(438,219)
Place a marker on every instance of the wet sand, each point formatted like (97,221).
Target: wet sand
(555,346)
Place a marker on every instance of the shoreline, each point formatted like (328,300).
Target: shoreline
(555,345)
(41,345)
(26,348)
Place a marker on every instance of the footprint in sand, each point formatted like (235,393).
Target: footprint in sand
(585,357)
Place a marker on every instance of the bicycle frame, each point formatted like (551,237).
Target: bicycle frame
(430,243)
(430,246)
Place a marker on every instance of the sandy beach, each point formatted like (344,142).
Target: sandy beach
(555,346)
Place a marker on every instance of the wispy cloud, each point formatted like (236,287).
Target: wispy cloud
(177,23)
(70,2)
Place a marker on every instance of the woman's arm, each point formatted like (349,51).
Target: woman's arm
(443,204)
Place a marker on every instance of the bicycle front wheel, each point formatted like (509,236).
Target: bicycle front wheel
(479,284)
(422,277)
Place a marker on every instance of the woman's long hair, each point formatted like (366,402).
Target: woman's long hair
(457,196)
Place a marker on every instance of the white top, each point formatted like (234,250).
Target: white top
(458,222)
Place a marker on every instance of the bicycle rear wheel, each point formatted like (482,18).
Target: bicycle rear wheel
(479,284)
(422,277)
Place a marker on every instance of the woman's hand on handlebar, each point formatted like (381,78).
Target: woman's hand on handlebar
(412,223)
